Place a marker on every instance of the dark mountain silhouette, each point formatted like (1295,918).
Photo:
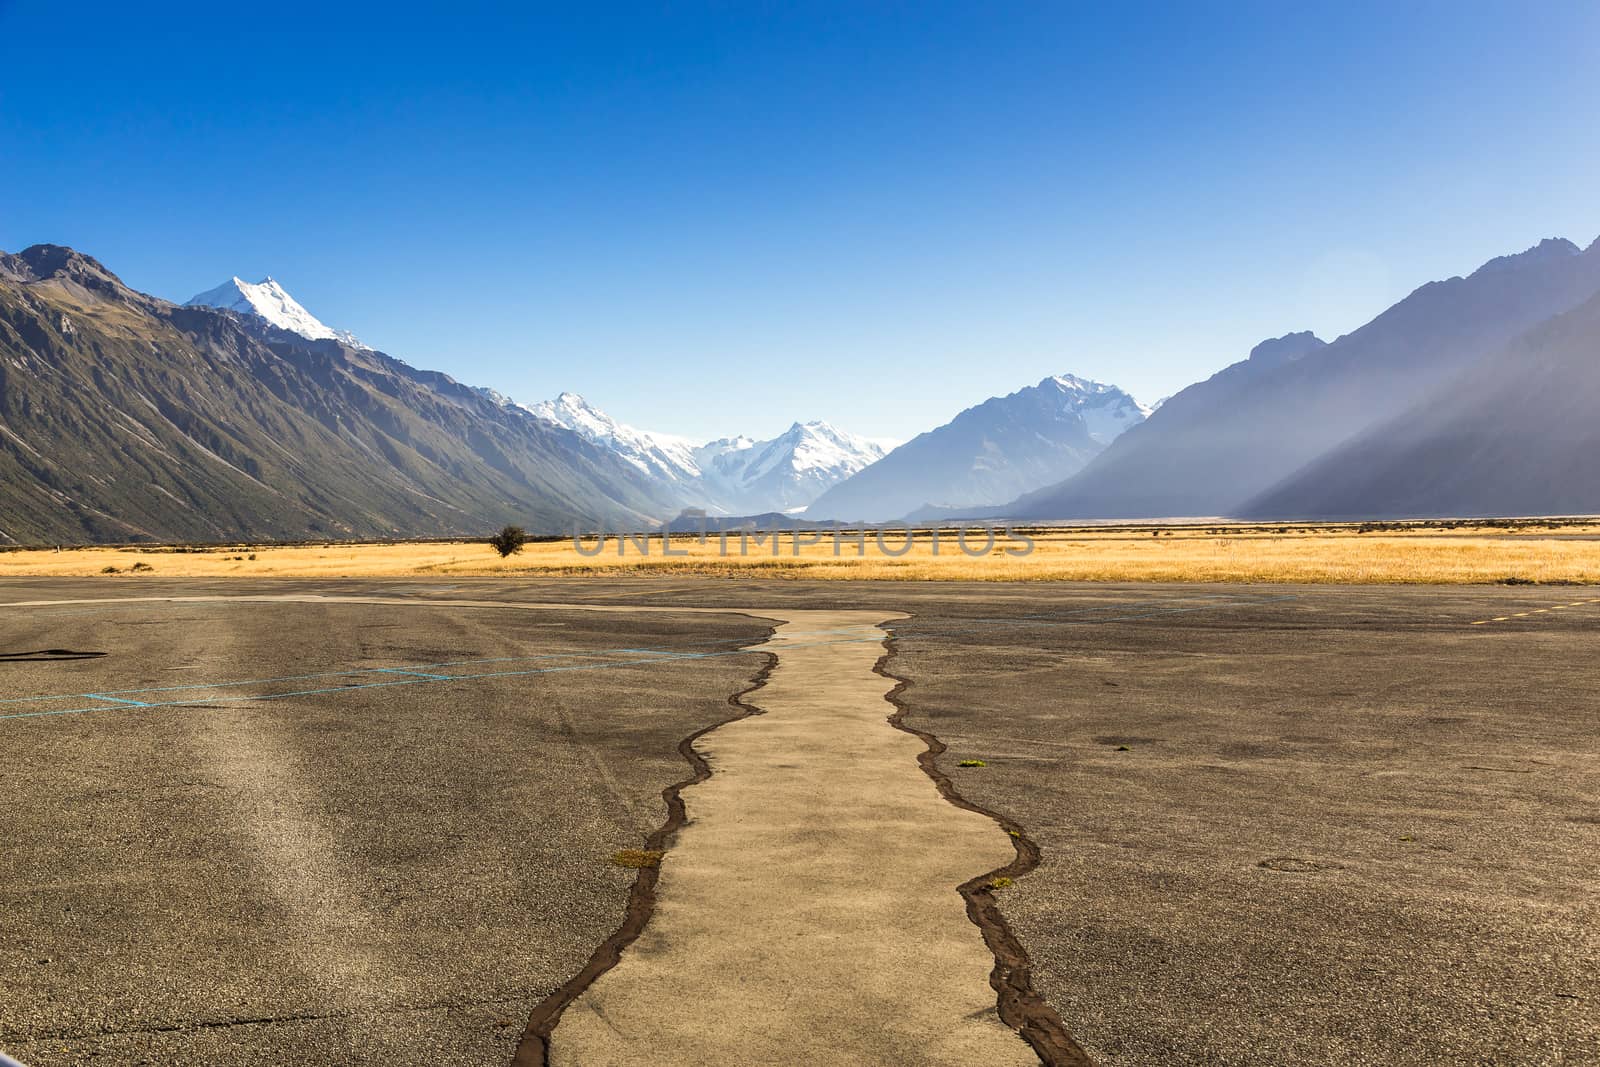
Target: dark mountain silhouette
(1219,444)
(1517,434)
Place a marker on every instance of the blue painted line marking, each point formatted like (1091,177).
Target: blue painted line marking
(416,676)
(575,654)
(417,680)
(414,668)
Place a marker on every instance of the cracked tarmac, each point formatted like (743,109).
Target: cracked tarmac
(1322,825)
(807,913)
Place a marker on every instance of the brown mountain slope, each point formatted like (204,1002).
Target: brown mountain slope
(124,417)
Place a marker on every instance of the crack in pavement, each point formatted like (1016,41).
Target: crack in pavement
(809,909)
(534,1048)
(1020,1005)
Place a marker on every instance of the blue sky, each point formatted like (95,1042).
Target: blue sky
(721,218)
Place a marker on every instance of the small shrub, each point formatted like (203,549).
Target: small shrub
(1000,883)
(140,566)
(510,539)
(972,763)
(110,570)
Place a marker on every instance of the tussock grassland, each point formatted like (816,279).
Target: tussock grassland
(1380,554)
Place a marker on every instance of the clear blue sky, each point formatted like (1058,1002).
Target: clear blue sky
(720,218)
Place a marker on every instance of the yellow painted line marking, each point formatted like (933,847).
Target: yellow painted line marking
(1535,611)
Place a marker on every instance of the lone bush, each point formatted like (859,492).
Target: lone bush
(509,540)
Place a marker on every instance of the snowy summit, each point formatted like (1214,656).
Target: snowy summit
(733,475)
(790,471)
(989,454)
(661,455)
(1106,410)
(268,300)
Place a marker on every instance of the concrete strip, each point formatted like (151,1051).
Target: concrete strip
(808,912)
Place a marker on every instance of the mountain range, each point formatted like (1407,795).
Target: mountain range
(125,417)
(731,475)
(241,415)
(1220,447)
(1516,434)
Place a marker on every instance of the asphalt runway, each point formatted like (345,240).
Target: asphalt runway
(1276,825)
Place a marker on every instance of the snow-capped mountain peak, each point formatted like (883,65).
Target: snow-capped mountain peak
(660,455)
(789,471)
(819,446)
(268,300)
(990,453)
(1106,410)
(731,475)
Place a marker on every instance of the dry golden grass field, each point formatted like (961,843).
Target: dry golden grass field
(1553,551)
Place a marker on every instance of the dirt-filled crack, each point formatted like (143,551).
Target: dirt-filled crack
(1020,1005)
(807,912)
(533,1050)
